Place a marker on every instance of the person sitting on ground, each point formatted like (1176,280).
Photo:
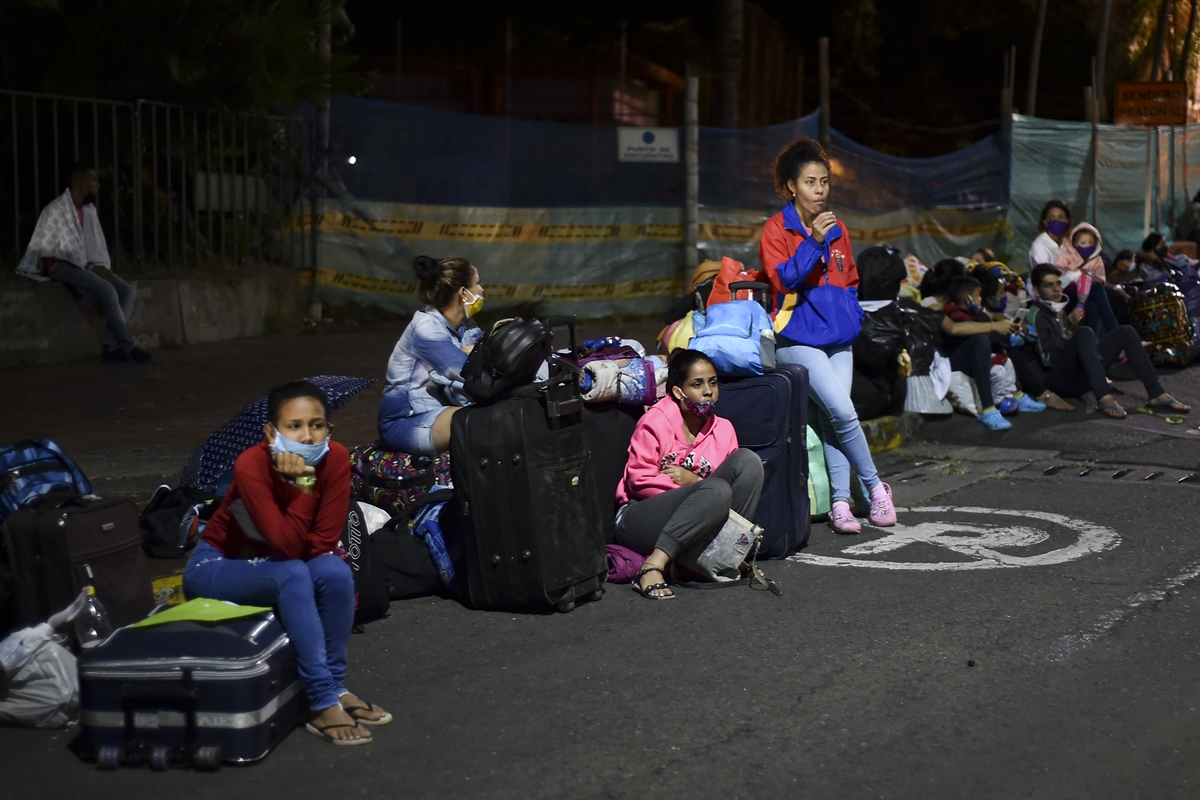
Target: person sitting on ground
(274,542)
(1013,358)
(684,474)
(1188,227)
(935,280)
(423,376)
(969,333)
(984,255)
(1075,361)
(1080,265)
(1053,224)
(68,246)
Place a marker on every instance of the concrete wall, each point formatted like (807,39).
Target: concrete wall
(41,323)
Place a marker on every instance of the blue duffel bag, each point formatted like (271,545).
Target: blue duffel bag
(739,338)
(33,468)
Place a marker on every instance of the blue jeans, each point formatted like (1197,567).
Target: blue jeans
(314,600)
(830,372)
(114,296)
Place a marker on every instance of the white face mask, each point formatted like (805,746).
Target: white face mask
(1058,307)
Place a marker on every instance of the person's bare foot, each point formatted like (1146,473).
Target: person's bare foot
(1054,401)
(1109,406)
(364,712)
(336,725)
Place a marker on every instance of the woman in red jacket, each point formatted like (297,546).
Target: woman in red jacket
(807,255)
(274,542)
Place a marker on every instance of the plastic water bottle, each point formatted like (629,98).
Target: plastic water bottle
(92,625)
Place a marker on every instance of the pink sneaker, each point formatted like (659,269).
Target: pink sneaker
(883,513)
(842,520)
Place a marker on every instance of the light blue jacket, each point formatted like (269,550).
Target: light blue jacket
(429,347)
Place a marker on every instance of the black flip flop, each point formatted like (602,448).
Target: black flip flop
(314,730)
(355,711)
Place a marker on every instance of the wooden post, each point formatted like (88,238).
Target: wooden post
(800,85)
(399,53)
(729,76)
(1093,109)
(1006,102)
(691,211)
(624,96)
(508,48)
(1035,59)
(1101,54)
(1149,179)
(823,72)
(1087,103)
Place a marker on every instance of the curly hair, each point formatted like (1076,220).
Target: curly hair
(792,159)
(1060,205)
(441,279)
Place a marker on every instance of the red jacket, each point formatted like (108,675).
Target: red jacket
(796,266)
(264,516)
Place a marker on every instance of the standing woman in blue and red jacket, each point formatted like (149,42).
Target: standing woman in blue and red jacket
(807,255)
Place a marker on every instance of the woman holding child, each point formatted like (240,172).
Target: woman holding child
(274,542)
(421,397)
(806,253)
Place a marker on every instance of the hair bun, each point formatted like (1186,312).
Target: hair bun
(428,269)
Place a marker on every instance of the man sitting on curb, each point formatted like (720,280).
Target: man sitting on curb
(1075,361)
(68,246)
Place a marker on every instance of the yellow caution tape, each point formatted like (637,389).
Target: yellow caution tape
(525,292)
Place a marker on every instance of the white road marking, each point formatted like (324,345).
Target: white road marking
(1064,647)
(975,545)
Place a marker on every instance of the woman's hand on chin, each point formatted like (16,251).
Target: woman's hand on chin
(291,465)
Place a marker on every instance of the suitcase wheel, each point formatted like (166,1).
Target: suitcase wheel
(564,606)
(207,758)
(594,596)
(109,758)
(160,759)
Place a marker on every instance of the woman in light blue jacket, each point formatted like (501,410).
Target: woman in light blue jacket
(420,396)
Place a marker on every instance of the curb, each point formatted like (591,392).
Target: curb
(890,433)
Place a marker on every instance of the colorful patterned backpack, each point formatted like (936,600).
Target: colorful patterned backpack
(395,481)
(1159,313)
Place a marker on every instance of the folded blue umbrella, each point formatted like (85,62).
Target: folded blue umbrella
(216,456)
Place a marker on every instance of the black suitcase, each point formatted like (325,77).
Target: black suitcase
(172,693)
(608,427)
(51,548)
(770,414)
(525,493)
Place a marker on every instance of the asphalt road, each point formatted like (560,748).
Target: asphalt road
(1045,648)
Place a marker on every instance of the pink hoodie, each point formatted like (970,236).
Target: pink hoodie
(1070,259)
(658,442)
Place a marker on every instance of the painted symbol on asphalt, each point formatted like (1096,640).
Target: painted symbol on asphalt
(994,542)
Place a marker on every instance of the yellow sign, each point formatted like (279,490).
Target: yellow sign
(1151,104)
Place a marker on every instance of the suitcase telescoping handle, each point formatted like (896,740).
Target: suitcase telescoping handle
(562,387)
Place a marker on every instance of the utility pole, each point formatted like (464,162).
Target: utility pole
(691,156)
(729,76)
(325,48)
(624,56)
(1036,57)
(823,72)
(1159,34)
(1102,53)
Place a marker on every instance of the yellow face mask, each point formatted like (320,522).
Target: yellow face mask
(475,305)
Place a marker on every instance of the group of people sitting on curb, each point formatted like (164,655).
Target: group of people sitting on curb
(1062,342)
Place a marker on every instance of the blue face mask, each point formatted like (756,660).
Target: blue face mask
(1057,227)
(998,305)
(311,453)
(1086,252)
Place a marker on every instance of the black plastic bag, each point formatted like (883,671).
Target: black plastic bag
(922,334)
(880,271)
(880,341)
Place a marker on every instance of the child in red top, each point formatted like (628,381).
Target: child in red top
(273,542)
(685,473)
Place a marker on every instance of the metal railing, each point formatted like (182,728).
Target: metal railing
(179,186)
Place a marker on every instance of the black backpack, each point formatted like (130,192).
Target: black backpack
(508,357)
(880,271)
(371,594)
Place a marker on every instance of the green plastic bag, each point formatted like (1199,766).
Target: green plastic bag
(820,501)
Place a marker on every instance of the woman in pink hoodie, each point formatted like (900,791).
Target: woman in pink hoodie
(1080,264)
(685,473)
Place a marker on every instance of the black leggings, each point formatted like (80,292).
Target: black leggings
(973,356)
(1081,364)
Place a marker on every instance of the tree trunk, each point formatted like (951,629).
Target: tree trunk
(1034,60)
(1159,37)
(1180,67)
(729,77)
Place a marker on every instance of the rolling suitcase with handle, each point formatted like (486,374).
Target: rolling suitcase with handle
(189,691)
(525,492)
(770,415)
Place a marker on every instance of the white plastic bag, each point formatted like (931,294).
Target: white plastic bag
(39,682)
